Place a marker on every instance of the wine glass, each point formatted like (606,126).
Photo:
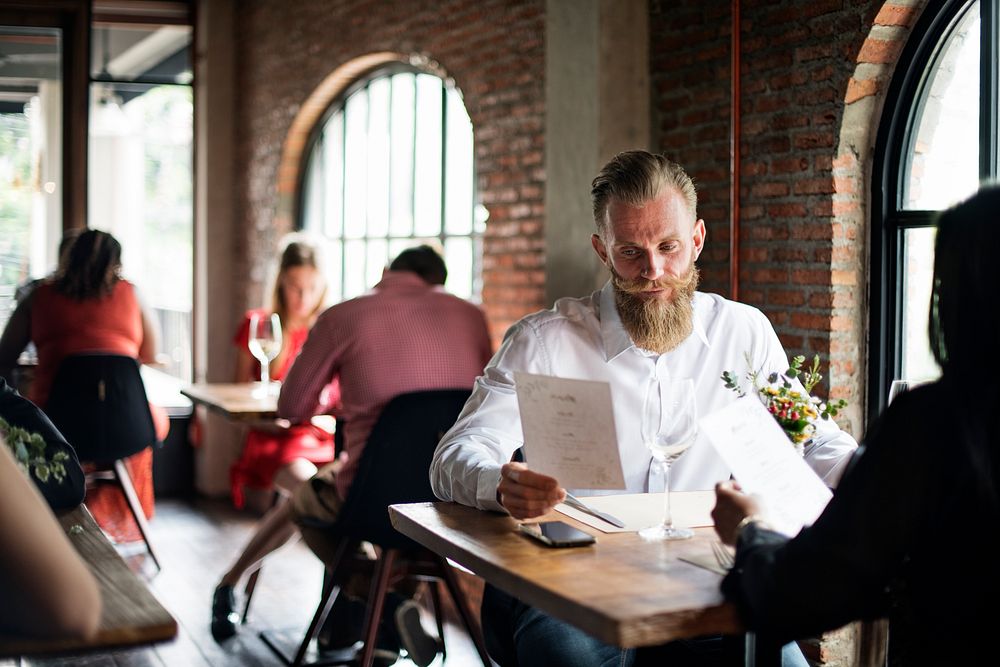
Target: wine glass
(669,428)
(897,388)
(264,344)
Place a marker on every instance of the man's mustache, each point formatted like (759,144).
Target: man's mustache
(639,285)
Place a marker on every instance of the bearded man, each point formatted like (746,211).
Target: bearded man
(648,325)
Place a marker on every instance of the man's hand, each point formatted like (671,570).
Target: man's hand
(731,507)
(526,494)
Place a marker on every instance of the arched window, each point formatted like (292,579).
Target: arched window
(389,166)
(937,143)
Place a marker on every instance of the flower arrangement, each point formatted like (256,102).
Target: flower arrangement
(29,453)
(795,411)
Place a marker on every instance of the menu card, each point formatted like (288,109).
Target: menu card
(766,465)
(569,431)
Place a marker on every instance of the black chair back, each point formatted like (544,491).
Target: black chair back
(98,402)
(395,464)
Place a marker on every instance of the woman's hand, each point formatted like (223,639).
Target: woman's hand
(731,507)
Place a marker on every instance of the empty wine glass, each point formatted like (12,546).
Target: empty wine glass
(264,344)
(669,427)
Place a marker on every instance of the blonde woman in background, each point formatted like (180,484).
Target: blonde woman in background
(275,457)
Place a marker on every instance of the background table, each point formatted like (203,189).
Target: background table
(130,614)
(623,590)
(234,400)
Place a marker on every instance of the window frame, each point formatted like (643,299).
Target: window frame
(316,134)
(74,20)
(897,129)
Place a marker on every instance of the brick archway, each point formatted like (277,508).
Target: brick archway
(310,113)
(864,100)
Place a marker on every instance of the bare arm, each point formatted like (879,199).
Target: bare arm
(56,595)
(16,336)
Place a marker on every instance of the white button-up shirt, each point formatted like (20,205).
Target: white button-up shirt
(584,339)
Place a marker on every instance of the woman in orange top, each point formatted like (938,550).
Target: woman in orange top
(88,307)
(281,458)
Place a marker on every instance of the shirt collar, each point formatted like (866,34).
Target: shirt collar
(616,339)
(396,279)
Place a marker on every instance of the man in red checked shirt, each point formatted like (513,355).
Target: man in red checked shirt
(387,342)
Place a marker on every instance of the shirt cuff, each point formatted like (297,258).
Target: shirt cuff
(486,493)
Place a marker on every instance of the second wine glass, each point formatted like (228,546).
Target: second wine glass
(669,428)
(265,345)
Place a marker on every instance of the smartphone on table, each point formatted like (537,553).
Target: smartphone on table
(556,534)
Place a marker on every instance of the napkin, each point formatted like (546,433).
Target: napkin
(690,509)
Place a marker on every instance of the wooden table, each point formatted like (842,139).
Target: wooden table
(130,614)
(234,400)
(623,590)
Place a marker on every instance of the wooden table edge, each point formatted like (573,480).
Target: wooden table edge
(595,622)
(105,639)
(237,416)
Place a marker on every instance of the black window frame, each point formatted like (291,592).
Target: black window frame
(315,138)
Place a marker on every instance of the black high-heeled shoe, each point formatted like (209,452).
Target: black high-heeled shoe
(225,619)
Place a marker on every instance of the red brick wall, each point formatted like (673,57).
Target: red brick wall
(493,49)
(811,76)
(813,73)
(689,77)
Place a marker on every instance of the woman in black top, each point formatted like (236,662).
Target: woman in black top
(913,530)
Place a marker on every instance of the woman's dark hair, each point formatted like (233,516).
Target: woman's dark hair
(965,300)
(424,261)
(92,267)
(965,333)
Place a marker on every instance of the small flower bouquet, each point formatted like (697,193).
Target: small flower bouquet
(794,410)
(29,452)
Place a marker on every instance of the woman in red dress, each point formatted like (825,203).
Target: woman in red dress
(278,458)
(88,307)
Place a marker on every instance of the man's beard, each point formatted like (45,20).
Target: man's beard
(654,324)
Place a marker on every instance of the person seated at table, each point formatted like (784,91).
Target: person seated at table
(20,377)
(48,591)
(275,457)
(647,322)
(407,334)
(913,529)
(88,307)
(65,493)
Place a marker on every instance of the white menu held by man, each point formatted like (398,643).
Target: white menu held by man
(569,431)
(766,465)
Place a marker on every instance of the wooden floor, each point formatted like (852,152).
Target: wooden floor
(196,541)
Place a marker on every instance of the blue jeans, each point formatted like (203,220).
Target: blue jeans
(518,635)
(521,636)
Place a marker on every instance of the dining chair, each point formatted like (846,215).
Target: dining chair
(98,402)
(393,469)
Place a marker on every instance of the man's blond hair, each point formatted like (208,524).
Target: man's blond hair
(638,177)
